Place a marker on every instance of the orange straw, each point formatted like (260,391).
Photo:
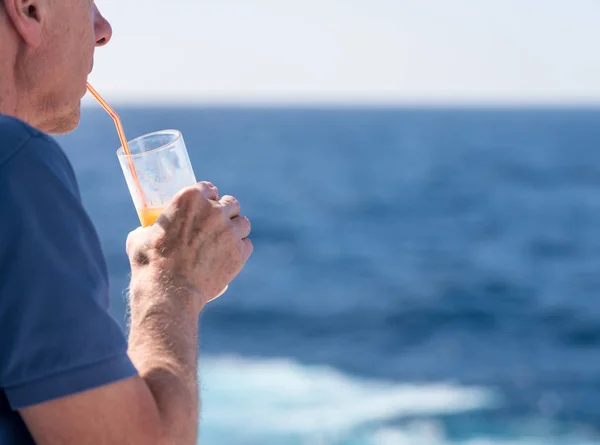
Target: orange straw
(122,137)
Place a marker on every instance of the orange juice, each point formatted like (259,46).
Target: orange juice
(149,215)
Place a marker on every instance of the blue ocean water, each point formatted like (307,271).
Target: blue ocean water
(420,276)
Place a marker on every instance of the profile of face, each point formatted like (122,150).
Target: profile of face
(58,39)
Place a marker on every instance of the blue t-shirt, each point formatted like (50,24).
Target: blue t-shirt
(56,335)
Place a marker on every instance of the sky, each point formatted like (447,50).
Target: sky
(351,51)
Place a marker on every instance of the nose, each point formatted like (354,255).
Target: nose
(102,28)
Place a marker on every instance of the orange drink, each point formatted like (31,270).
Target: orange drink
(148,215)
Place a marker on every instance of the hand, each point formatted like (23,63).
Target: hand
(200,242)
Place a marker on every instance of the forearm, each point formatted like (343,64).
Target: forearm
(163,345)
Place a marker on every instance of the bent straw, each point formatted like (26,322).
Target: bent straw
(122,137)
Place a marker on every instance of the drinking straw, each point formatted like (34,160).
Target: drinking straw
(122,137)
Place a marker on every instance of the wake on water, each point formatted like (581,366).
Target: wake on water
(279,402)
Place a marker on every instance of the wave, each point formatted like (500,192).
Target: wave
(282,402)
(431,434)
(247,402)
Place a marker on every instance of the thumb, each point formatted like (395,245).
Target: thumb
(133,240)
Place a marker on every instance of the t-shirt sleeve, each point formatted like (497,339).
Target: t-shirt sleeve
(57,337)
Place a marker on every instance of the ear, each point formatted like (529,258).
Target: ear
(25,16)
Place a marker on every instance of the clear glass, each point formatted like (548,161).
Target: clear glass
(162,167)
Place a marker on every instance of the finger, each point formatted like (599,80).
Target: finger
(241,226)
(248,248)
(208,190)
(231,206)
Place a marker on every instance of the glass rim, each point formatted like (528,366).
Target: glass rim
(176,133)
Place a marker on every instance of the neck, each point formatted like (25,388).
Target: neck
(8,97)
(13,91)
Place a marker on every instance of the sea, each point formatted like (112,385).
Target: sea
(421,276)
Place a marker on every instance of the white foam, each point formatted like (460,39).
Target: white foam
(428,433)
(423,437)
(282,402)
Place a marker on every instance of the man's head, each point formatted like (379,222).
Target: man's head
(47,51)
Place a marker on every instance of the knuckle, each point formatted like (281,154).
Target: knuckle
(206,185)
(247,223)
(249,247)
(231,200)
(189,195)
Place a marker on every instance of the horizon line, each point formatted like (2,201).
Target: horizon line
(90,103)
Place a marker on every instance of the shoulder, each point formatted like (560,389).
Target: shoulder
(14,134)
(26,153)
(39,196)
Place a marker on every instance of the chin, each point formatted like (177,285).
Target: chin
(65,122)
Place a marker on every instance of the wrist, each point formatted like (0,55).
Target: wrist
(151,288)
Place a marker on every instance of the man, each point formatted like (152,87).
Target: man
(67,374)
